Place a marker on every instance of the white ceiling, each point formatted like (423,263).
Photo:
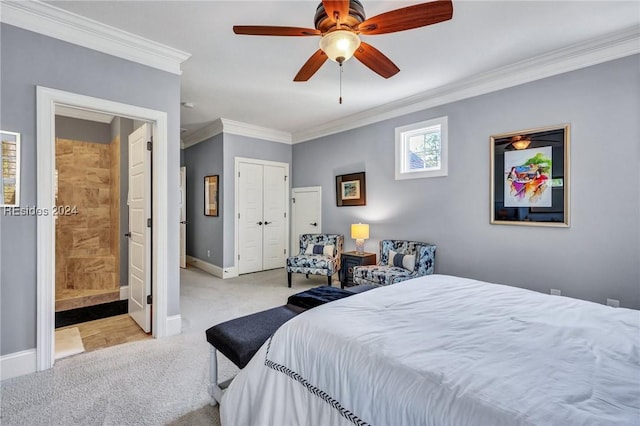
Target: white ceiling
(250,79)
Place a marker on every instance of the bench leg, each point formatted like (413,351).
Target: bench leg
(214,389)
(289,279)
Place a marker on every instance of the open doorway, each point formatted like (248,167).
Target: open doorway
(93,233)
(48,100)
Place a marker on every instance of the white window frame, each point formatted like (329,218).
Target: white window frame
(405,132)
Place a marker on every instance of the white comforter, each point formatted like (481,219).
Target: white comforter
(442,350)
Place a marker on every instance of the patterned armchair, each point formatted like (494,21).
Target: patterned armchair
(400,260)
(319,255)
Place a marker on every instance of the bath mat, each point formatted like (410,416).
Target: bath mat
(68,342)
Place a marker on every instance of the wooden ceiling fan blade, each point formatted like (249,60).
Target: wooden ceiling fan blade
(274,31)
(376,60)
(336,8)
(407,18)
(312,65)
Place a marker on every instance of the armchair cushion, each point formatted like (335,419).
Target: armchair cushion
(321,249)
(406,261)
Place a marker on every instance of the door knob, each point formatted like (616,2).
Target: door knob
(260,223)
(128,235)
(266,223)
(314,224)
(184,222)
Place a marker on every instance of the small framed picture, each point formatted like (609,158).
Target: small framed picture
(530,177)
(351,190)
(211,195)
(10,176)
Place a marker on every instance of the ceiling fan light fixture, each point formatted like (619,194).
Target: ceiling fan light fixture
(339,45)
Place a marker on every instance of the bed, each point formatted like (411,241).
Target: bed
(443,350)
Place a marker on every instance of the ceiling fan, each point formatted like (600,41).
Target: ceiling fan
(340,24)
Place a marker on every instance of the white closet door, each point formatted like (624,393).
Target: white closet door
(250,221)
(274,221)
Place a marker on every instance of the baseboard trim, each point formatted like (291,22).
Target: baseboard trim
(17,364)
(124,292)
(216,271)
(174,325)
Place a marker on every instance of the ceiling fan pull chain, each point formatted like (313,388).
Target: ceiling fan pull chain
(340,101)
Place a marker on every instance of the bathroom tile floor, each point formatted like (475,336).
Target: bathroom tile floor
(107,332)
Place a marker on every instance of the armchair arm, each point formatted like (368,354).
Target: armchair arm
(426,259)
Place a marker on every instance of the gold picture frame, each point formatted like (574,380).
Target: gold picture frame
(211,195)
(530,180)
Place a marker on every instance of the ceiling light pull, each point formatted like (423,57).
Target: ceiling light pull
(340,100)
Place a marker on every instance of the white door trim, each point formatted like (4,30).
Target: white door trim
(236,223)
(47,99)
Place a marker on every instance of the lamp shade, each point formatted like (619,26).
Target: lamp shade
(339,45)
(360,231)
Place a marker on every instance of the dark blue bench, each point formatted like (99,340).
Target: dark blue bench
(240,338)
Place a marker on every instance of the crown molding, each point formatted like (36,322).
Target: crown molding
(581,55)
(224,125)
(202,134)
(54,22)
(258,132)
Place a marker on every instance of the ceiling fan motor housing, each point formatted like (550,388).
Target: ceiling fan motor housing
(325,23)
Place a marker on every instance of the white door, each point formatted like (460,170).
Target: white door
(306,214)
(183,217)
(274,203)
(139,201)
(262,219)
(250,218)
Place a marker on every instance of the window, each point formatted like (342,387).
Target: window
(421,149)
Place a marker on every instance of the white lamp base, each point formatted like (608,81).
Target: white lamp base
(360,246)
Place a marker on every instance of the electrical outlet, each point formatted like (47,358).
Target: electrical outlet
(613,303)
(208,253)
(555,292)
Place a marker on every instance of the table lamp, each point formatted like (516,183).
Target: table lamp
(360,232)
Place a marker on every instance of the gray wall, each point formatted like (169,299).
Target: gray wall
(27,60)
(216,156)
(204,232)
(598,257)
(243,146)
(82,130)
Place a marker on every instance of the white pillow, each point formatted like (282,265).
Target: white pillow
(408,260)
(327,250)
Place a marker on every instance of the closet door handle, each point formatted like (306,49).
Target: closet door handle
(259,223)
(184,222)
(128,235)
(266,223)
(314,224)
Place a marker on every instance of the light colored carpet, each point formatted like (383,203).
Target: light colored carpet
(150,382)
(68,342)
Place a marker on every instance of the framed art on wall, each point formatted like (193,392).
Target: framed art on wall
(351,190)
(530,177)
(211,195)
(10,177)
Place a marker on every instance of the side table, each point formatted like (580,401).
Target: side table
(350,259)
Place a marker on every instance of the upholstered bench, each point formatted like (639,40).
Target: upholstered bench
(240,338)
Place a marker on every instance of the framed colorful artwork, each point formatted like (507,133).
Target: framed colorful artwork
(351,190)
(211,195)
(530,177)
